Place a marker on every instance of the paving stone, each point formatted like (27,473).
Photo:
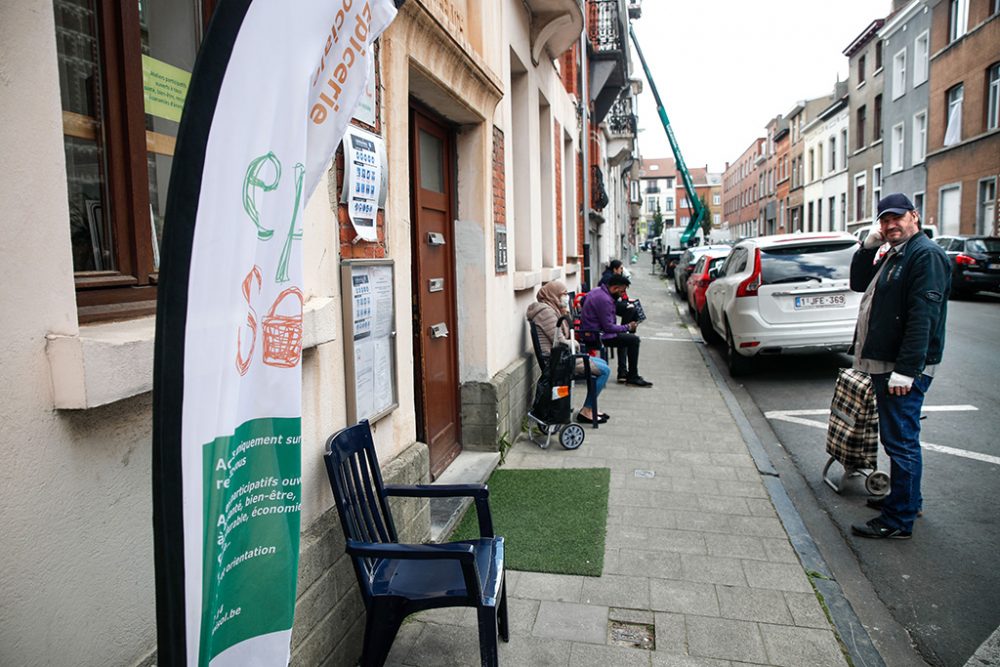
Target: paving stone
(753,604)
(669,660)
(757,526)
(702,522)
(585,655)
(678,541)
(534,651)
(776,576)
(671,633)
(444,646)
(649,517)
(615,590)
(791,647)
(741,546)
(541,586)
(761,507)
(696,486)
(639,562)
(726,639)
(683,597)
(741,489)
(572,621)
(780,550)
(806,610)
(406,639)
(712,570)
(724,505)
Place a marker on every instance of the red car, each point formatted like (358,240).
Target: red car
(701,277)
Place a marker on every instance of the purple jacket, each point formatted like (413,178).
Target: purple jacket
(598,314)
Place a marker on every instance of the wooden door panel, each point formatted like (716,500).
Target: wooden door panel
(435,320)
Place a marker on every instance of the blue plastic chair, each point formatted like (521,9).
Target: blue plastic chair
(396,579)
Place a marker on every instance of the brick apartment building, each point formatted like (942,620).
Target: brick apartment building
(963,143)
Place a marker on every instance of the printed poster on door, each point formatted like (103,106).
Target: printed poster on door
(363,155)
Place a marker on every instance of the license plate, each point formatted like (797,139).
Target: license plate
(822,301)
(993,267)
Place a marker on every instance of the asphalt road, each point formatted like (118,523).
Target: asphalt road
(943,586)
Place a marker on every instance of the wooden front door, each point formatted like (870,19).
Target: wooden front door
(435,324)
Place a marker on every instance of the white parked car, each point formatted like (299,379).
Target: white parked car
(784,294)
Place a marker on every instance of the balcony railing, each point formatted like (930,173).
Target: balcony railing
(620,119)
(604,25)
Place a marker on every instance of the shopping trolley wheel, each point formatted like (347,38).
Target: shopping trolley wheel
(877,483)
(571,436)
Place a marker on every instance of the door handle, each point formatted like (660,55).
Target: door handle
(439,330)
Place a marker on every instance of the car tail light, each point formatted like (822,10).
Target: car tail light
(965,260)
(750,286)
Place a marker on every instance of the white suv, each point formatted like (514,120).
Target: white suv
(784,294)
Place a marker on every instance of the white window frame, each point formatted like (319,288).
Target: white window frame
(921,57)
(919,199)
(896,159)
(958,19)
(919,145)
(876,185)
(993,96)
(899,74)
(846,150)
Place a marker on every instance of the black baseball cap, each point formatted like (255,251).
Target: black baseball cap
(895,204)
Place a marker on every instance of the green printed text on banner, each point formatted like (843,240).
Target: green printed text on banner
(164,88)
(253,503)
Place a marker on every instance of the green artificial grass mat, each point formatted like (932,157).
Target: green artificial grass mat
(552,520)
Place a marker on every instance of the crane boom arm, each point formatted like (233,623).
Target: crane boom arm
(699,210)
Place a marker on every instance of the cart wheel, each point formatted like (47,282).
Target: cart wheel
(571,436)
(877,483)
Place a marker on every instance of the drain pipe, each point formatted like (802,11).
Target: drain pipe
(585,149)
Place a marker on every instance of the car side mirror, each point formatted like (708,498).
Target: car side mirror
(713,274)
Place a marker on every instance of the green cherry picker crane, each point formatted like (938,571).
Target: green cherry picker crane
(699,210)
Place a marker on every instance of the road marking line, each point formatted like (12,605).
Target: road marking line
(796,417)
(671,340)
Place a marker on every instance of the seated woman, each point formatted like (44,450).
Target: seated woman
(552,303)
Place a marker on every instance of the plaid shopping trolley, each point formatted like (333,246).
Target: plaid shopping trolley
(852,433)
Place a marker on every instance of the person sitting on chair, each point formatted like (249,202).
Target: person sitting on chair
(599,315)
(623,305)
(552,303)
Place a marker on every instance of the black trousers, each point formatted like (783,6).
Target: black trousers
(627,345)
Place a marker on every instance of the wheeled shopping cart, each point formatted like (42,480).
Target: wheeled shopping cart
(852,434)
(552,409)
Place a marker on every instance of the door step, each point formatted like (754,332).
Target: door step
(467,468)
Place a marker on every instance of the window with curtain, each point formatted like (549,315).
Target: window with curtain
(953,132)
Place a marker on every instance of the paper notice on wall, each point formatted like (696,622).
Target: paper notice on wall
(362,306)
(362,181)
(164,88)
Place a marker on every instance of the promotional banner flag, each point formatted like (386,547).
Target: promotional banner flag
(272,92)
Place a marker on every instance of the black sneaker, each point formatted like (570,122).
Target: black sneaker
(876,504)
(877,529)
(638,381)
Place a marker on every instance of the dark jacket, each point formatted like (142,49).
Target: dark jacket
(599,314)
(910,306)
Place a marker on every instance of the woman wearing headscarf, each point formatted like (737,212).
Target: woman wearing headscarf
(552,302)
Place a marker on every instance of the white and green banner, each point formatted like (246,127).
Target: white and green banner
(269,99)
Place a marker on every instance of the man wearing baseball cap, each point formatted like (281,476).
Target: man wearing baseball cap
(898,341)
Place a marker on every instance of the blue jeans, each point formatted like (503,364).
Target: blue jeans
(599,381)
(899,430)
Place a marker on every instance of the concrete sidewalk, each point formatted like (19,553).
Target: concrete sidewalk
(694,546)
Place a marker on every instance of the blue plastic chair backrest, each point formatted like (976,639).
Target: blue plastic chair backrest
(352,466)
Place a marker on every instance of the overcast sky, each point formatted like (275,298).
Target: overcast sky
(724,68)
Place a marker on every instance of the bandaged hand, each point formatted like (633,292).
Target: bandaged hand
(899,384)
(874,238)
